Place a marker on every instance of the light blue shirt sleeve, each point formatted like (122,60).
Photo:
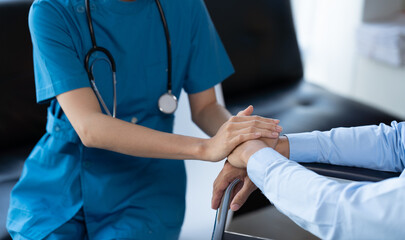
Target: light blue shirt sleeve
(374,147)
(327,208)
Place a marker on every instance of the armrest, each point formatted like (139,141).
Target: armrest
(238,236)
(219,232)
(349,173)
(222,212)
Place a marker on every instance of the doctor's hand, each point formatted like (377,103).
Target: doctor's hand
(241,191)
(239,129)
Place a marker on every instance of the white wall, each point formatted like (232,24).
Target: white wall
(329,45)
(380,85)
(376,83)
(327,36)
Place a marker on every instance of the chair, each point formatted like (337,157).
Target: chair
(260,39)
(22,121)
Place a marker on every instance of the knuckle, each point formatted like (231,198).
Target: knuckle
(228,176)
(217,189)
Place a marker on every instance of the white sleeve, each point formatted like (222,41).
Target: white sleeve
(327,208)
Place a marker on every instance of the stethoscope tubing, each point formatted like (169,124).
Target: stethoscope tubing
(169,46)
(94,86)
(95,48)
(89,69)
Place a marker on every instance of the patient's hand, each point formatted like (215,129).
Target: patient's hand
(241,191)
(229,173)
(240,156)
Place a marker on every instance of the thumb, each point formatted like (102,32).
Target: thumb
(241,197)
(247,112)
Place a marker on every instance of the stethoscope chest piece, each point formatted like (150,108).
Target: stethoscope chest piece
(167,103)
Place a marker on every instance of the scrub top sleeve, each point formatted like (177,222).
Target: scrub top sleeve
(57,66)
(209,63)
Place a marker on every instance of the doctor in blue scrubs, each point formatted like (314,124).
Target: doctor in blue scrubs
(95,176)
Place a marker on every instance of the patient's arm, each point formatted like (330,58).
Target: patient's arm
(374,147)
(325,207)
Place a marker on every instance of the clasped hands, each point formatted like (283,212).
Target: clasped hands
(235,167)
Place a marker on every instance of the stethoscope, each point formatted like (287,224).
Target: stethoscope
(167,102)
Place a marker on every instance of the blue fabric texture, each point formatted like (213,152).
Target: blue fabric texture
(328,208)
(121,196)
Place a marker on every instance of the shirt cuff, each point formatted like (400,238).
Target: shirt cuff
(258,164)
(303,147)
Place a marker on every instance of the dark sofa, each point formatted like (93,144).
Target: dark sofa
(260,39)
(22,121)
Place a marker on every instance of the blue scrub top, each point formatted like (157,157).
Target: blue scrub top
(121,196)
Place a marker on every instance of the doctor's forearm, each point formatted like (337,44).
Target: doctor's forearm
(98,130)
(136,140)
(102,131)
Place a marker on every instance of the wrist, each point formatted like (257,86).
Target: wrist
(252,147)
(245,158)
(283,146)
(201,149)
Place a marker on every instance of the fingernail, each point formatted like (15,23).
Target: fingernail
(235,207)
(274,134)
(258,134)
(279,128)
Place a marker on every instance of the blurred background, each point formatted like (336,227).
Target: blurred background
(332,36)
